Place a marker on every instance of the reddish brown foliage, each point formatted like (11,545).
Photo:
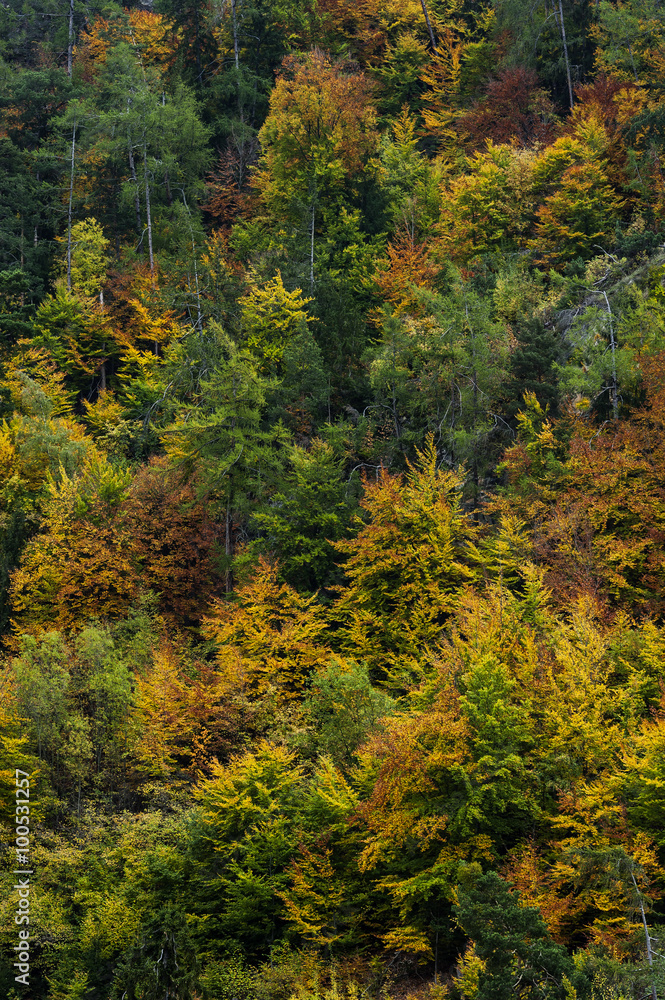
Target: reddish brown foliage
(613,103)
(229,197)
(605,98)
(174,543)
(598,522)
(514,109)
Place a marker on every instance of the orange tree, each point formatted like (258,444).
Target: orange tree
(596,508)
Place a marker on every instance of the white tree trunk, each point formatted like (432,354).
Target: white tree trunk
(69,212)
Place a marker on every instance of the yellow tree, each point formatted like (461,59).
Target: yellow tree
(406,566)
(579,203)
(178,720)
(314,897)
(489,206)
(320,132)
(579,217)
(271,317)
(443,77)
(269,638)
(80,564)
(417,770)
(408,267)
(370,25)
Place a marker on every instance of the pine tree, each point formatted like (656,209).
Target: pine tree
(309,512)
(512,941)
(223,440)
(533,367)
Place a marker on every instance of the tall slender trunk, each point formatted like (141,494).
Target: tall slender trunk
(228,548)
(102,373)
(167,181)
(615,386)
(452,417)
(396,423)
(646,935)
(147,209)
(474,376)
(199,314)
(632,62)
(235,34)
(236,56)
(69,211)
(476,478)
(429,26)
(197,43)
(22,257)
(70,40)
(137,203)
(562,28)
(311,247)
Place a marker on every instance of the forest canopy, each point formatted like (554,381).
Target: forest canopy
(332,499)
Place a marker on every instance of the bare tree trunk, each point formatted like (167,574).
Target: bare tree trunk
(396,423)
(197,44)
(199,314)
(22,258)
(429,26)
(647,936)
(615,390)
(476,479)
(228,548)
(562,28)
(70,40)
(452,417)
(147,209)
(235,35)
(137,203)
(474,375)
(102,373)
(69,212)
(632,62)
(311,248)
(167,181)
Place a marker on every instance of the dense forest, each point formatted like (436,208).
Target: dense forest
(332,499)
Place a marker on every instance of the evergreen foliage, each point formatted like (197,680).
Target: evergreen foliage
(332,499)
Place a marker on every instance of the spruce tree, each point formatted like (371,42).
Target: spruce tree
(520,956)
(533,367)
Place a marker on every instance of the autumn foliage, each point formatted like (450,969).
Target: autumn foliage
(332,499)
